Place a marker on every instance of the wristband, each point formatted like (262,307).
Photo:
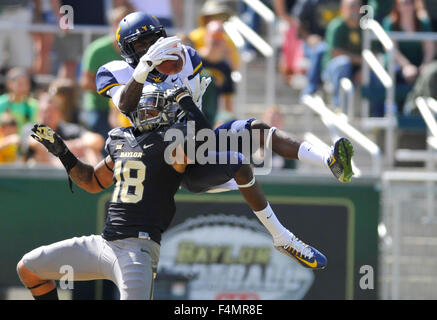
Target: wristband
(140,73)
(182,95)
(69,160)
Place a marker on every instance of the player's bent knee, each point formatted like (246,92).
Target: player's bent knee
(258,124)
(260,127)
(35,284)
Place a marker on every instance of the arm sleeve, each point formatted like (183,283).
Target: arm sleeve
(194,113)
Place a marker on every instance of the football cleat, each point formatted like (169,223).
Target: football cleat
(340,160)
(304,254)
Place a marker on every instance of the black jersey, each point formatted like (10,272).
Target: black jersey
(142,204)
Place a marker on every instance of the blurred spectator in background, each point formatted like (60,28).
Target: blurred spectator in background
(185,39)
(65,91)
(18,100)
(84,144)
(425,86)
(46,12)
(214,54)
(16,46)
(69,46)
(284,9)
(381,8)
(343,56)
(431,7)
(122,3)
(411,56)
(291,53)
(169,12)
(210,99)
(9,138)
(313,17)
(249,16)
(95,114)
(213,10)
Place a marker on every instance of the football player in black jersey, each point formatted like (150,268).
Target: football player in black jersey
(142,205)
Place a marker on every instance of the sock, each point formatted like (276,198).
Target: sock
(51,295)
(312,155)
(272,224)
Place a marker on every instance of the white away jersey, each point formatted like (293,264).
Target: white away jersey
(113,75)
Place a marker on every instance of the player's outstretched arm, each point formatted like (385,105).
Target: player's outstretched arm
(130,96)
(93,179)
(89,178)
(183,97)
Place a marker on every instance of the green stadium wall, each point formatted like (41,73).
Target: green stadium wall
(37,208)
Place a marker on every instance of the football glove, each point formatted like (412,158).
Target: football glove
(198,89)
(176,94)
(50,139)
(163,49)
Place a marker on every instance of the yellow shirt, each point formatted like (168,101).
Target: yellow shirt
(121,118)
(8,154)
(197,37)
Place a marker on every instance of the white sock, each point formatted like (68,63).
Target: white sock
(271,222)
(309,154)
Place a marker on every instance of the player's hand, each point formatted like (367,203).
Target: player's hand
(50,139)
(176,94)
(198,88)
(163,49)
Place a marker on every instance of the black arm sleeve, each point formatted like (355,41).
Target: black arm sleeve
(194,113)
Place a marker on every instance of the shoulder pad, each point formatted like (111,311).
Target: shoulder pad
(112,74)
(118,134)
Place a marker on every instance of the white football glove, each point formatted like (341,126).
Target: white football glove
(163,49)
(198,90)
